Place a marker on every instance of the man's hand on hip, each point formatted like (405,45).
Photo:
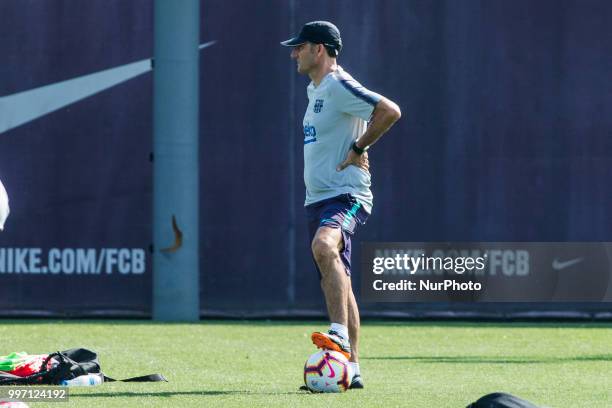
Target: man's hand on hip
(355,159)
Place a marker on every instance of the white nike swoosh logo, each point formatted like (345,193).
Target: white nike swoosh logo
(23,107)
(558,265)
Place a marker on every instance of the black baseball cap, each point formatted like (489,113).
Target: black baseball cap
(317,32)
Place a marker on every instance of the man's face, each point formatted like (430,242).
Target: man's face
(306,57)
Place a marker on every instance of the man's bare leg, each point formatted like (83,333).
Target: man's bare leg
(339,297)
(335,283)
(353,326)
(334,280)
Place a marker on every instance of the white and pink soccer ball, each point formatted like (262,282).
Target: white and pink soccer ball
(327,371)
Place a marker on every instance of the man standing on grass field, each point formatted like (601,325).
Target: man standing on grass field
(338,196)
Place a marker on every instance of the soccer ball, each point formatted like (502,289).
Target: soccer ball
(327,371)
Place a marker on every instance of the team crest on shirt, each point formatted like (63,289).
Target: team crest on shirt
(318,105)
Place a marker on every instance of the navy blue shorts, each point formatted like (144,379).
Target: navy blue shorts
(344,212)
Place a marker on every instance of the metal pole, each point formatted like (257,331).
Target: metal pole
(175,161)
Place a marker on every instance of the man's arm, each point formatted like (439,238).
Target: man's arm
(385,114)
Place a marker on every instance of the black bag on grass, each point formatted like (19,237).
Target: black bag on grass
(501,400)
(71,364)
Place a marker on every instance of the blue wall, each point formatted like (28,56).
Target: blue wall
(506,135)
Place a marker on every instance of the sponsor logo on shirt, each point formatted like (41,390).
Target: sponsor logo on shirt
(310,134)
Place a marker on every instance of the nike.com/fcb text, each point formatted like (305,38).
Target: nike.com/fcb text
(73,261)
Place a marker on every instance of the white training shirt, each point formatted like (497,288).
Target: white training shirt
(4,206)
(337,114)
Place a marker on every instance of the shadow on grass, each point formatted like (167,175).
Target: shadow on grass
(113,394)
(495,360)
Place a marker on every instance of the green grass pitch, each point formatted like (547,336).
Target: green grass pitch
(259,364)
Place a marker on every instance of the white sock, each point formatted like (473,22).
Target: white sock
(341,329)
(355,367)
